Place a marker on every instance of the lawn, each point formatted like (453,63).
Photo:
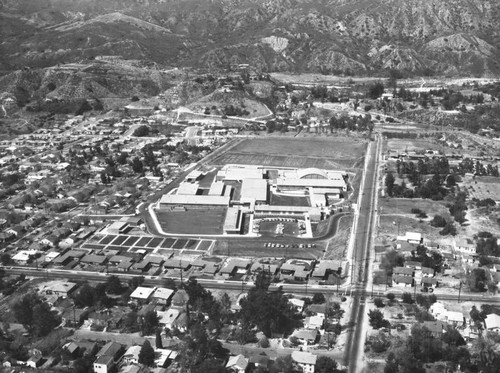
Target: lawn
(196,221)
(324,153)
(268,228)
(283,200)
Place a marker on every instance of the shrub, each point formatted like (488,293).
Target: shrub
(407,298)
(379,302)
(390,296)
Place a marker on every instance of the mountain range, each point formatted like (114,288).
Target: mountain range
(414,37)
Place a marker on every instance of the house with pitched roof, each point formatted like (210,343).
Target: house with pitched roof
(237,364)
(305,360)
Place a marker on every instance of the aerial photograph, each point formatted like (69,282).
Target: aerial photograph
(250,186)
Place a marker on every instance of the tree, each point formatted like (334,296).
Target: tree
(149,323)
(407,298)
(376,319)
(283,365)
(23,309)
(324,364)
(438,221)
(147,354)
(210,366)
(159,342)
(379,302)
(390,260)
(389,183)
(376,90)
(135,282)
(391,296)
(113,285)
(477,280)
(318,298)
(44,320)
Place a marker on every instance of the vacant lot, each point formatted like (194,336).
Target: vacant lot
(403,206)
(482,187)
(337,247)
(325,153)
(197,221)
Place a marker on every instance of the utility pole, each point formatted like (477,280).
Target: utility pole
(459,291)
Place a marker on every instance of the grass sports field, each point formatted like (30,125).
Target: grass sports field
(324,153)
(195,221)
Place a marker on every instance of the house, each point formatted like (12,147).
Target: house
(180,298)
(59,288)
(297,303)
(309,336)
(142,294)
(454,318)
(437,328)
(103,364)
(234,266)
(305,360)
(403,271)
(492,322)
(131,356)
(237,364)
(112,349)
(428,272)
(314,322)
(259,360)
(93,259)
(438,310)
(162,295)
(413,264)
(35,361)
(465,245)
(412,238)
(402,281)
(72,348)
(429,282)
(325,267)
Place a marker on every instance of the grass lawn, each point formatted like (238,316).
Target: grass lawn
(268,228)
(324,153)
(282,200)
(196,221)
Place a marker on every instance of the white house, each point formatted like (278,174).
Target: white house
(237,364)
(305,360)
(103,364)
(132,355)
(465,245)
(142,294)
(492,322)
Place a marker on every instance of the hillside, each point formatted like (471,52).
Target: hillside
(456,37)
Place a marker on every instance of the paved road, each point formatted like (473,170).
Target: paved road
(361,262)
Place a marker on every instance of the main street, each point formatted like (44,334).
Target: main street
(361,258)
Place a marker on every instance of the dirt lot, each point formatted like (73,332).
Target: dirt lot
(403,206)
(325,153)
(338,244)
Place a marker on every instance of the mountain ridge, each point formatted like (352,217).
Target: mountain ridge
(416,37)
